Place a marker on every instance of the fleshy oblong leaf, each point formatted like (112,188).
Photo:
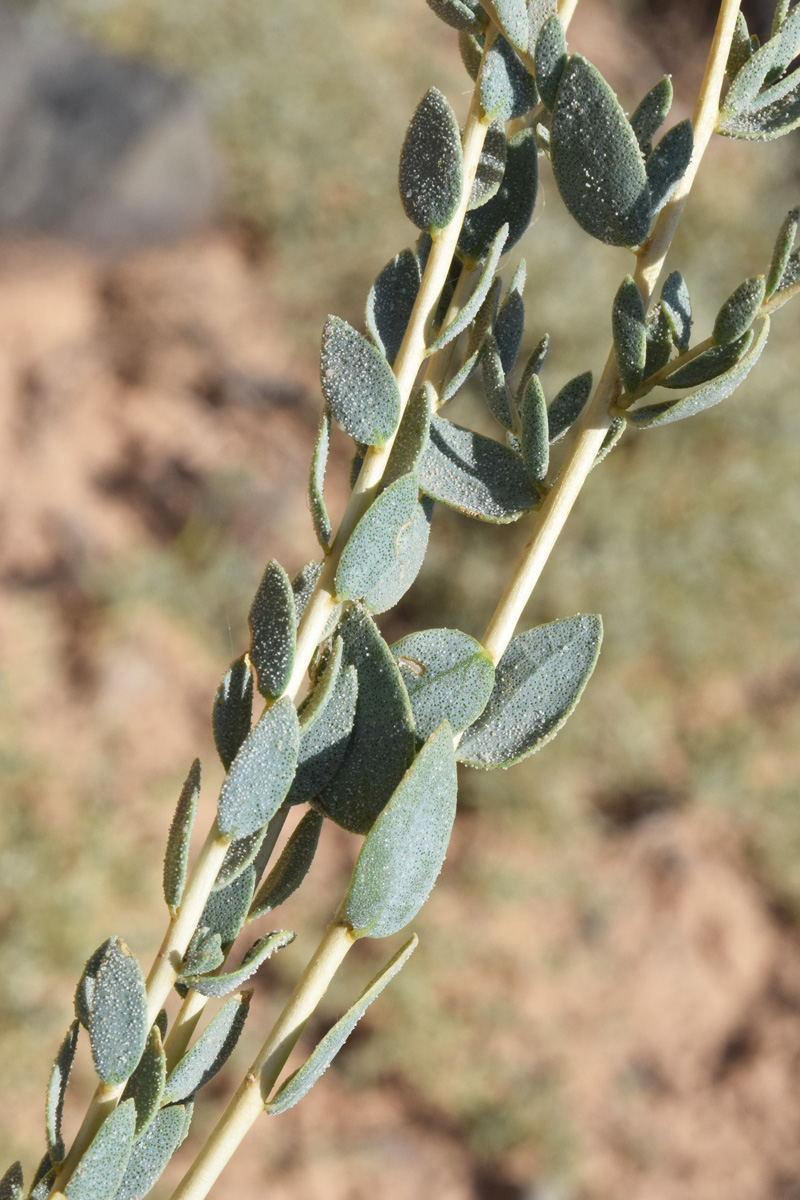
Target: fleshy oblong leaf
(651,113)
(431,172)
(630,333)
(146,1085)
(225,911)
(301,1081)
(782,251)
(372,549)
(117,1013)
(260,775)
(12,1183)
(292,866)
(204,952)
(491,166)
(152,1151)
(512,16)
(316,480)
(43,1180)
(659,340)
(776,112)
(176,858)
(259,952)
(272,631)
(102,1167)
(667,164)
(303,585)
(232,715)
(474,474)
(568,405)
(448,676)
(538,682)
(358,384)
(56,1091)
(495,389)
(512,205)
(210,1052)
(739,311)
(776,54)
(391,301)
(459,15)
(708,365)
(412,543)
(412,436)
(324,740)
(467,314)
(742,48)
(471,50)
(533,366)
(507,90)
(510,323)
(238,857)
(550,59)
(403,853)
(480,329)
(534,430)
(677,309)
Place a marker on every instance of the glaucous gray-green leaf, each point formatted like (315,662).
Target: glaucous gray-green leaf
(102,1167)
(412,436)
(56,1091)
(162,1023)
(448,676)
(474,474)
(146,1085)
(382,740)
(260,775)
(512,17)
(412,545)
(176,858)
(630,334)
(479,330)
(491,166)
(325,676)
(538,12)
(667,164)
(742,48)
(745,90)
(259,952)
(677,309)
(596,158)
(507,90)
(782,251)
(292,867)
(739,311)
(510,323)
(316,480)
(43,1180)
(470,310)
(225,911)
(272,631)
(651,113)
(301,1081)
(403,853)
(324,740)
(232,714)
(12,1183)
(533,366)
(495,389)
(709,364)
(431,174)
(117,1013)
(204,952)
(151,1152)
(358,384)
(615,432)
(568,405)
(391,301)
(303,585)
(538,682)
(512,205)
(210,1052)
(534,430)
(85,989)
(659,341)
(239,855)
(372,549)
(791,273)
(776,113)
(459,15)
(471,50)
(706,397)
(550,59)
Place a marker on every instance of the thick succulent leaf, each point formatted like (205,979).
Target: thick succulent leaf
(709,364)
(448,676)
(615,432)
(474,474)
(412,436)
(358,384)
(507,90)
(324,672)
(146,1085)
(115,1011)
(412,545)
(667,164)
(324,740)
(651,113)
(778,52)
(550,59)
(510,323)
(260,775)
(204,952)
(538,682)
(467,314)
(272,631)
(630,334)
(301,1082)
(480,329)
(292,867)
(568,405)
(512,16)
(495,389)
(303,585)
(316,480)
(151,1153)
(677,309)
(403,853)
(391,301)
(533,366)
(210,1052)
(491,166)
(739,311)
(12,1183)
(538,12)
(43,1180)
(791,273)
(534,430)
(176,858)
(512,205)
(232,715)
(459,15)
(596,158)
(56,1091)
(240,854)
(782,251)
(431,174)
(259,952)
(372,550)
(659,341)
(706,397)
(382,741)
(777,113)
(100,1171)
(742,48)
(225,911)
(471,49)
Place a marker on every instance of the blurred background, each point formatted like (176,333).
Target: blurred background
(606,997)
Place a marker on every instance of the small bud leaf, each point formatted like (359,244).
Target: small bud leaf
(412,436)
(391,301)
(677,308)
(651,113)
(630,334)
(225,911)
(491,166)
(467,314)
(783,249)
(316,481)
(232,715)
(534,439)
(667,164)
(303,585)
(495,389)
(568,405)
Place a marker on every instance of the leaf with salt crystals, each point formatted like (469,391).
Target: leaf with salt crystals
(491,166)
(745,94)
(507,90)
(382,741)
(391,301)
(272,631)
(651,113)
(777,113)
(12,1183)
(709,364)
(210,1052)
(550,59)
(459,15)
(448,676)
(43,1180)
(538,12)
(261,773)
(232,715)
(474,474)
(412,436)
(324,733)
(512,17)
(742,48)
(533,366)
(512,205)
(431,173)
(358,384)
(372,549)
(259,952)
(480,329)
(292,867)
(739,311)
(176,858)
(303,585)
(316,480)
(706,397)
(534,431)
(782,251)
(112,1003)
(471,51)
(568,405)
(510,324)
(667,164)
(239,855)
(412,545)
(301,1082)
(151,1153)
(615,432)
(204,952)
(225,911)
(538,682)
(630,334)
(596,158)
(470,310)
(659,341)
(677,308)
(146,1085)
(102,1167)
(495,389)
(56,1091)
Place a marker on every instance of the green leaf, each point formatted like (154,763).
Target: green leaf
(114,1009)
(100,1171)
(507,90)
(479,330)
(534,431)
(225,911)
(259,952)
(301,1081)
(709,364)
(782,251)
(719,389)
(513,18)
(272,631)
(391,301)
(412,436)
(495,390)
(204,952)
(412,544)
(568,405)
(474,474)
(512,205)
(596,158)
(615,432)
(176,858)
(538,682)
(467,314)
(431,175)
(151,1153)
(260,775)
(372,549)
(534,365)
(12,1183)
(510,324)
(324,739)
(459,15)
(651,113)
(667,164)
(677,309)
(448,676)
(491,166)
(382,741)
(56,1091)
(358,384)
(210,1052)
(233,711)
(659,341)
(43,1180)
(742,48)
(630,334)
(316,480)
(791,273)
(303,586)
(146,1085)
(739,311)
(778,52)
(550,59)
(292,867)
(471,50)
(403,853)
(239,855)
